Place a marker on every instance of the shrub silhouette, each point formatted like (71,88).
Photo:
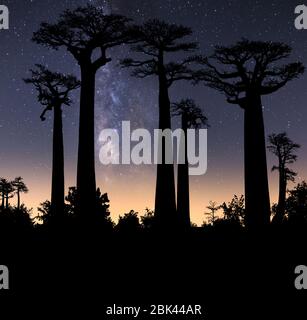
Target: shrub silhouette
(148,219)
(15,220)
(234,211)
(296,205)
(129,222)
(100,219)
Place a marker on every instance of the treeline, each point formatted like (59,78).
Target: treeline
(232,215)
(227,216)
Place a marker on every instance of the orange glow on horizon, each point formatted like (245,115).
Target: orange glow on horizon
(136,192)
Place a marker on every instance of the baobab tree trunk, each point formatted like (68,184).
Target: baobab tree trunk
(57,190)
(257,200)
(281,206)
(86,181)
(3,198)
(165,201)
(183,191)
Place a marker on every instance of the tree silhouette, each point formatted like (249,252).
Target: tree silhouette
(44,212)
(191,117)
(156,40)
(9,194)
(102,210)
(250,71)
(15,221)
(148,219)
(296,204)
(129,222)
(7,191)
(102,201)
(103,220)
(71,200)
(2,191)
(83,32)
(213,207)
(234,211)
(20,187)
(284,148)
(53,92)
(5,187)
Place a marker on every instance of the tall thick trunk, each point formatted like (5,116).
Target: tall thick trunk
(57,190)
(281,206)
(7,201)
(183,191)
(86,181)
(165,201)
(257,200)
(3,198)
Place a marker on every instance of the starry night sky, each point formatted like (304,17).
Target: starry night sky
(26,141)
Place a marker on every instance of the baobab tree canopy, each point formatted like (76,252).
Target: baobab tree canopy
(83,30)
(52,87)
(191,111)
(155,39)
(249,67)
(157,35)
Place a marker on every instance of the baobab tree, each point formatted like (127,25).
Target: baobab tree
(191,117)
(87,34)
(19,187)
(54,91)
(156,40)
(284,148)
(245,72)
